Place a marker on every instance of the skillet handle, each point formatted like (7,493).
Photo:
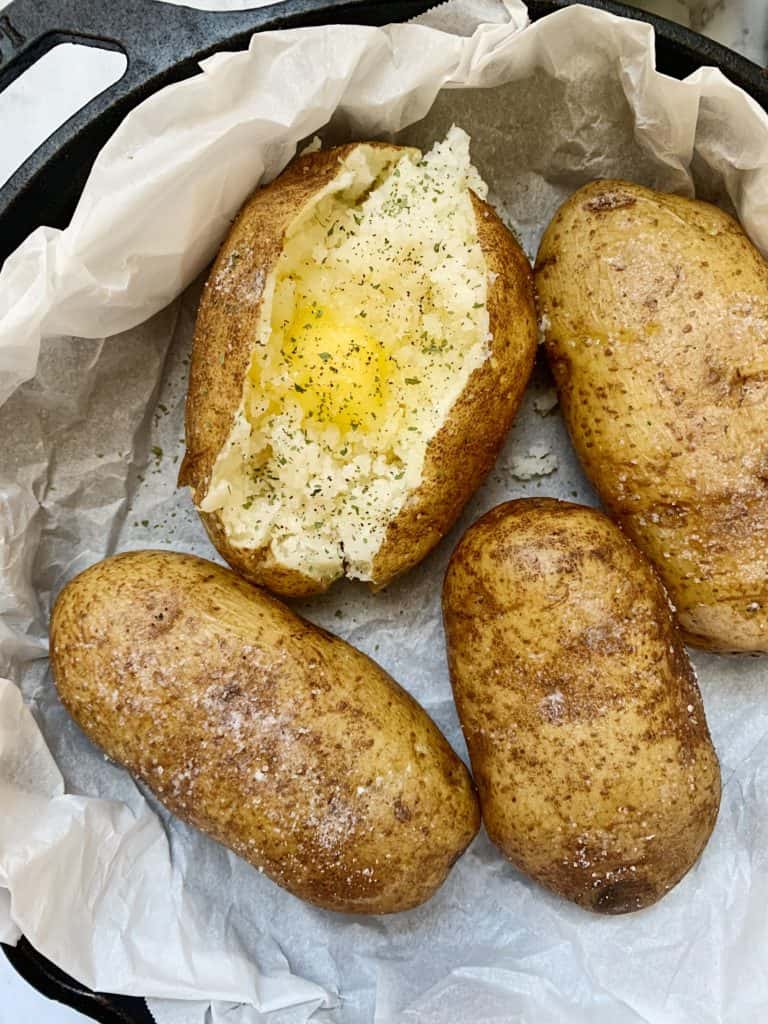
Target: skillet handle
(163,43)
(152,35)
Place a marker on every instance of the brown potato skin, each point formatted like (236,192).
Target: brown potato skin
(573,689)
(458,457)
(276,738)
(657,314)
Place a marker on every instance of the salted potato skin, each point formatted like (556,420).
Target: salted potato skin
(461,453)
(584,722)
(276,738)
(656,316)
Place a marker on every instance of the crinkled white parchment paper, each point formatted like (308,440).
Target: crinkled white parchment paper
(95,328)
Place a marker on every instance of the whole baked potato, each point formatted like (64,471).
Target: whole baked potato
(276,738)
(655,310)
(584,722)
(362,345)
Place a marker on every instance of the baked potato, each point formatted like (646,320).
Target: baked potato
(655,310)
(584,722)
(276,738)
(361,347)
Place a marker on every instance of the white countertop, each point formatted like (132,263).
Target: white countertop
(22,1004)
(79,73)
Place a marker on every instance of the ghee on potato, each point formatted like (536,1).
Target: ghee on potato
(276,738)
(656,316)
(365,310)
(581,711)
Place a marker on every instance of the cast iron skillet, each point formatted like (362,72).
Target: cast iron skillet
(164,44)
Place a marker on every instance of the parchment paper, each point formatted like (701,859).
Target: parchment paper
(95,327)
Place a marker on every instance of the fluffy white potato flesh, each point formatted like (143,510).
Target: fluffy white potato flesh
(372,322)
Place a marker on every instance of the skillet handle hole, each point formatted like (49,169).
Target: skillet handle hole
(48,93)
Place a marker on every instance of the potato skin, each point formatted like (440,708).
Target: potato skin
(582,715)
(458,457)
(656,316)
(276,738)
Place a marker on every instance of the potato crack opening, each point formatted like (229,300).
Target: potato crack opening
(372,322)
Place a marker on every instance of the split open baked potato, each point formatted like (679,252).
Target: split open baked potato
(276,738)
(362,345)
